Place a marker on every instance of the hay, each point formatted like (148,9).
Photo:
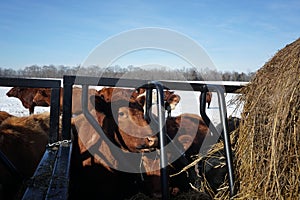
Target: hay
(268,147)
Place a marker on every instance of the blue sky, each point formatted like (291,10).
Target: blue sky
(237,35)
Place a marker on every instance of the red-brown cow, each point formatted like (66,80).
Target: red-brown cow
(208,98)
(43,98)
(189,130)
(171,102)
(23,140)
(25,95)
(95,175)
(3,116)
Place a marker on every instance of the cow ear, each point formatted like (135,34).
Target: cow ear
(98,103)
(43,92)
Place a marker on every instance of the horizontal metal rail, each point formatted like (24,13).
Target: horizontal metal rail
(133,83)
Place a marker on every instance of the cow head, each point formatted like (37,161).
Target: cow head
(108,93)
(132,132)
(42,97)
(188,130)
(173,100)
(15,91)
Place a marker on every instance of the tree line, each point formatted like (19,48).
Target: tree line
(190,74)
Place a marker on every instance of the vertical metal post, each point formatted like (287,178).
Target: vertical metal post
(67,110)
(54,115)
(148,104)
(162,142)
(227,144)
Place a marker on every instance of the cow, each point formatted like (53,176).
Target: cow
(186,132)
(189,130)
(23,140)
(171,102)
(25,95)
(3,116)
(43,98)
(95,162)
(208,98)
(233,124)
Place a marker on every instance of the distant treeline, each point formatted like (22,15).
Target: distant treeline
(191,74)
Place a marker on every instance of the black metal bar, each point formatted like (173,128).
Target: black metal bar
(67,108)
(227,144)
(59,183)
(204,116)
(162,140)
(28,82)
(203,111)
(133,83)
(148,104)
(54,113)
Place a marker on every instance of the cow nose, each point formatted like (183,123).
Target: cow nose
(152,141)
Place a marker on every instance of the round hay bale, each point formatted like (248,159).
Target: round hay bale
(268,147)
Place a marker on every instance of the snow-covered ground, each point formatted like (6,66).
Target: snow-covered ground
(189,104)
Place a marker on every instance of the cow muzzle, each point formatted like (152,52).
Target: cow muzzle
(151,143)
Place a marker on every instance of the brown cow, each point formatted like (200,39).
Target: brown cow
(171,102)
(25,95)
(43,98)
(96,175)
(23,140)
(3,116)
(187,133)
(208,98)
(189,130)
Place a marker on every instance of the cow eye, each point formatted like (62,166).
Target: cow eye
(121,114)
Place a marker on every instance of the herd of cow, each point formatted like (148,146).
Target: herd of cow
(94,165)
